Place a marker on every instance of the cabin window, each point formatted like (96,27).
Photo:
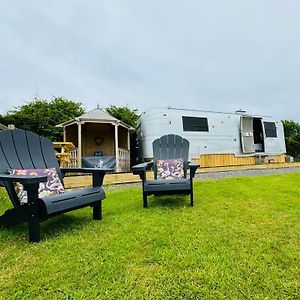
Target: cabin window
(194,124)
(270,129)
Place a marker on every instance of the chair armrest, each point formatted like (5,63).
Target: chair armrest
(30,184)
(193,166)
(24,179)
(98,174)
(85,170)
(140,169)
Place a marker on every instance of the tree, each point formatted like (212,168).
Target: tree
(124,114)
(41,116)
(292,138)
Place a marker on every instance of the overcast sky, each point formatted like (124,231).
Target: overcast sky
(213,55)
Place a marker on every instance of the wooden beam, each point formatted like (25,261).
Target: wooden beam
(117,147)
(65,135)
(128,140)
(79,151)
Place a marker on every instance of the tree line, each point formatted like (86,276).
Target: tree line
(42,116)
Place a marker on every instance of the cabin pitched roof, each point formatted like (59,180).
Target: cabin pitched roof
(98,114)
(95,115)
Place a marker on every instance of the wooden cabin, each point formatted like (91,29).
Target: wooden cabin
(101,140)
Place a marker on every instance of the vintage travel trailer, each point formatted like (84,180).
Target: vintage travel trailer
(216,138)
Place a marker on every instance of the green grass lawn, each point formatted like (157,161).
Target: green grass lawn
(240,241)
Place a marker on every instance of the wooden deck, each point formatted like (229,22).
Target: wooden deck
(222,160)
(117,178)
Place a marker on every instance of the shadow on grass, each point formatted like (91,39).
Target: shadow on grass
(51,228)
(66,222)
(172,202)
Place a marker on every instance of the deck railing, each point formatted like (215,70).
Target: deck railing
(68,159)
(66,154)
(124,160)
(73,158)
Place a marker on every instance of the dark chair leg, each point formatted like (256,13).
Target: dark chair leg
(192,194)
(34,230)
(192,199)
(33,221)
(97,210)
(145,200)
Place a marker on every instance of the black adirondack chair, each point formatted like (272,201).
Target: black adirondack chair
(167,147)
(21,149)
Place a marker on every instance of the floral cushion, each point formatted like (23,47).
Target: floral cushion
(52,186)
(170,169)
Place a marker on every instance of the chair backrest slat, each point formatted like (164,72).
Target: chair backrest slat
(4,167)
(34,148)
(178,151)
(4,164)
(163,146)
(49,156)
(21,146)
(185,149)
(9,150)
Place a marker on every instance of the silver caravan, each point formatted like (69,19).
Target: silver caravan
(215,134)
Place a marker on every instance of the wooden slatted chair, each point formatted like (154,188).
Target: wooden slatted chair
(166,148)
(21,150)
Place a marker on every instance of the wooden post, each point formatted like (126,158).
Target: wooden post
(128,140)
(65,134)
(79,152)
(117,146)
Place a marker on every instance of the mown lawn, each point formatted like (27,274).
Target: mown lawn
(240,241)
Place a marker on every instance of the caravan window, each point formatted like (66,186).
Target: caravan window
(194,124)
(270,129)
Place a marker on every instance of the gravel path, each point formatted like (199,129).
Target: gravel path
(238,173)
(225,174)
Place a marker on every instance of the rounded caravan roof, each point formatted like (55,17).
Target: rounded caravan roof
(154,110)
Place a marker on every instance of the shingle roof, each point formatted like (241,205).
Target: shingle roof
(97,114)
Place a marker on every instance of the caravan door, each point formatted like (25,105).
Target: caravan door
(247,136)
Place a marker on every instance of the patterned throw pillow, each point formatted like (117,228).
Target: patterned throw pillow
(170,169)
(52,186)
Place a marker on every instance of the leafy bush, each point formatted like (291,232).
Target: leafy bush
(292,138)
(41,116)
